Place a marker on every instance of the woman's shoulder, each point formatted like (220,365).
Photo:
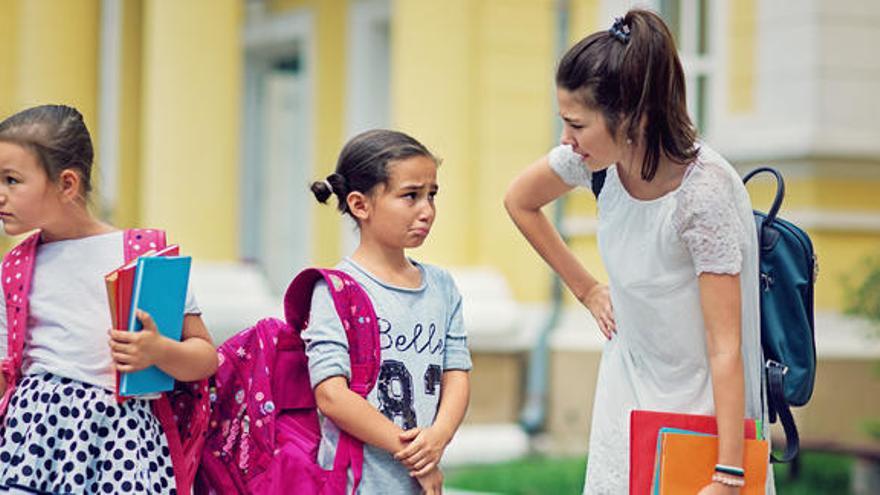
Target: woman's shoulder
(711,187)
(710,177)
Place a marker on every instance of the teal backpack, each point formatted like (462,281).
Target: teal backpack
(788,273)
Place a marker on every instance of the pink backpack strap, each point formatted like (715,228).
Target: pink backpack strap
(183,413)
(18,272)
(136,242)
(358,317)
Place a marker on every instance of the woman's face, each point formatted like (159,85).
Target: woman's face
(585,130)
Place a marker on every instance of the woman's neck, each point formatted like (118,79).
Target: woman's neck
(388,264)
(667,177)
(76,223)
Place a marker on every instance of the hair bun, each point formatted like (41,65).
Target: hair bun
(322,190)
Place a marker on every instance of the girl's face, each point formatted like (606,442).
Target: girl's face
(399,213)
(585,130)
(28,199)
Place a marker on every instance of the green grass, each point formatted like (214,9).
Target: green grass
(820,474)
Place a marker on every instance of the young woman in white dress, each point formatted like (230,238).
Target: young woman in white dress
(676,236)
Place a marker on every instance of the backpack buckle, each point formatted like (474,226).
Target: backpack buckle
(775,364)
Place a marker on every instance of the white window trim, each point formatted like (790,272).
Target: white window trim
(293,31)
(363,15)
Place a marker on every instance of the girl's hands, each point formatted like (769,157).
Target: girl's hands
(432,482)
(134,351)
(715,488)
(598,301)
(424,450)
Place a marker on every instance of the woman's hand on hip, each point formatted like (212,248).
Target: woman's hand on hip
(598,301)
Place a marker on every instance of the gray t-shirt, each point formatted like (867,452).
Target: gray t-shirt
(421,334)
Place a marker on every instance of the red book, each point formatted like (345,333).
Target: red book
(644,428)
(119,286)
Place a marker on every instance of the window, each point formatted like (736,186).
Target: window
(690,21)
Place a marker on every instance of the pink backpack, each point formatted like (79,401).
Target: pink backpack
(263,435)
(183,412)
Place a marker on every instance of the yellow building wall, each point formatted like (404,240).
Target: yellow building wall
(48,54)
(58,56)
(190,119)
(127,210)
(742,41)
(433,80)
(485,104)
(8,56)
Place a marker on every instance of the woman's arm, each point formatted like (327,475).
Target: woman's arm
(427,445)
(191,359)
(2,385)
(537,186)
(352,413)
(720,299)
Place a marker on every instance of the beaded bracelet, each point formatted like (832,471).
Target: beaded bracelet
(731,470)
(728,481)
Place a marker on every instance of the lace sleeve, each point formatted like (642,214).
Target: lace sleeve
(569,166)
(708,224)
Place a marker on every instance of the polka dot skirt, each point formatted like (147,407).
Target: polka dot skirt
(65,436)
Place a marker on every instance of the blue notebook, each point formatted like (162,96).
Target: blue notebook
(160,285)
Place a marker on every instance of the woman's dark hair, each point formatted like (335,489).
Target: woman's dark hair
(57,136)
(363,164)
(632,74)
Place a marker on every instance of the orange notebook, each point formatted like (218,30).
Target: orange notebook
(686,462)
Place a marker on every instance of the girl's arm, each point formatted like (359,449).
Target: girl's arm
(2,385)
(537,186)
(191,359)
(720,299)
(426,448)
(352,413)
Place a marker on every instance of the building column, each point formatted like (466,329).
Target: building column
(190,116)
(432,82)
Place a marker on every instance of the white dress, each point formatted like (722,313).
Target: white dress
(654,251)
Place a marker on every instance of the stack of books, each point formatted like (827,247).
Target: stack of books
(674,453)
(156,283)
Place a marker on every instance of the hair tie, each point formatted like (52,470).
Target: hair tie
(329,185)
(620,31)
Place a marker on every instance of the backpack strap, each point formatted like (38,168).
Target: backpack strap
(778,406)
(183,412)
(597,181)
(358,318)
(775,372)
(18,272)
(356,312)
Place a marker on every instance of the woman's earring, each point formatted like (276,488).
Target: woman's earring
(629,141)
